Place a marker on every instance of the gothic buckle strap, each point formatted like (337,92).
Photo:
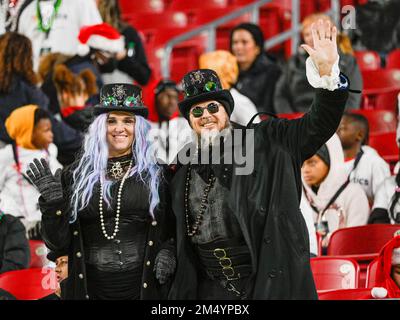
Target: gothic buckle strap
(226,264)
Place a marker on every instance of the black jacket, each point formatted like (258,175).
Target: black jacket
(136,65)
(293,93)
(14,246)
(266,205)
(378,26)
(58,234)
(258,83)
(21,93)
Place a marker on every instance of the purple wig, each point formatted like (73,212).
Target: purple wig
(93,164)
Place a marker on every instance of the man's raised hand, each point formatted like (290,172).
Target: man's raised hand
(324,53)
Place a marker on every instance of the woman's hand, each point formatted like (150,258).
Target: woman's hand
(164,265)
(49,185)
(325,53)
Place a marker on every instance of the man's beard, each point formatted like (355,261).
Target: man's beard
(212,138)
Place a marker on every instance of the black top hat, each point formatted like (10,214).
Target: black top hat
(202,85)
(121,97)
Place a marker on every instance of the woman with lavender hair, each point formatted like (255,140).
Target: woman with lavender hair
(110,207)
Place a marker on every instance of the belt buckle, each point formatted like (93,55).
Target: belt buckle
(226,264)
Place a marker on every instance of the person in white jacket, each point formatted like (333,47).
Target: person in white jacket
(53,26)
(336,202)
(30,128)
(363,163)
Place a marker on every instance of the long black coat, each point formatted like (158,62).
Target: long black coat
(58,234)
(266,205)
(258,83)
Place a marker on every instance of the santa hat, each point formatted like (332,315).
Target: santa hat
(100,36)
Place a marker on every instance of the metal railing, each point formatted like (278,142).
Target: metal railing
(253,9)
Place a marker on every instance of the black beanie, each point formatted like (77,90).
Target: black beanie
(255,31)
(323,153)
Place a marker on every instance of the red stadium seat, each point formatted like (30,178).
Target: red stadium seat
(197,4)
(381,88)
(331,273)
(367,239)
(368,60)
(128,6)
(346,294)
(29,284)
(158,20)
(379,121)
(184,57)
(393,59)
(361,243)
(199,16)
(371,274)
(385,144)
(38,254)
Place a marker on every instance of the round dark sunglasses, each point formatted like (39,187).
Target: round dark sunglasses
(198,111)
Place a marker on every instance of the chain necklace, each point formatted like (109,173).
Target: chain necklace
(45,27)
(117,170)
(116,228)
(199,217)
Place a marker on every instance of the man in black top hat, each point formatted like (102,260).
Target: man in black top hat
(242,235)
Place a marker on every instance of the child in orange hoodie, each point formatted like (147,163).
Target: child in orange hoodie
(30,128)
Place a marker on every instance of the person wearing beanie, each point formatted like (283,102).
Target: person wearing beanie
(60,258)
(110,207)
(335,201)
(225,65)
(31,130)
(293,93)
(387,273)
(258,73)
(240,233)
(170,131)
(53,26)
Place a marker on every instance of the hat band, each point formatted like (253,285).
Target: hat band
(129,102)
(192,90)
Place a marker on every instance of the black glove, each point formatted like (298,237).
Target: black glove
(34,232)
(164,265)
(49,185)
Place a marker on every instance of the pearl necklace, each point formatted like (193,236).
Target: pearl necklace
(103,228)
